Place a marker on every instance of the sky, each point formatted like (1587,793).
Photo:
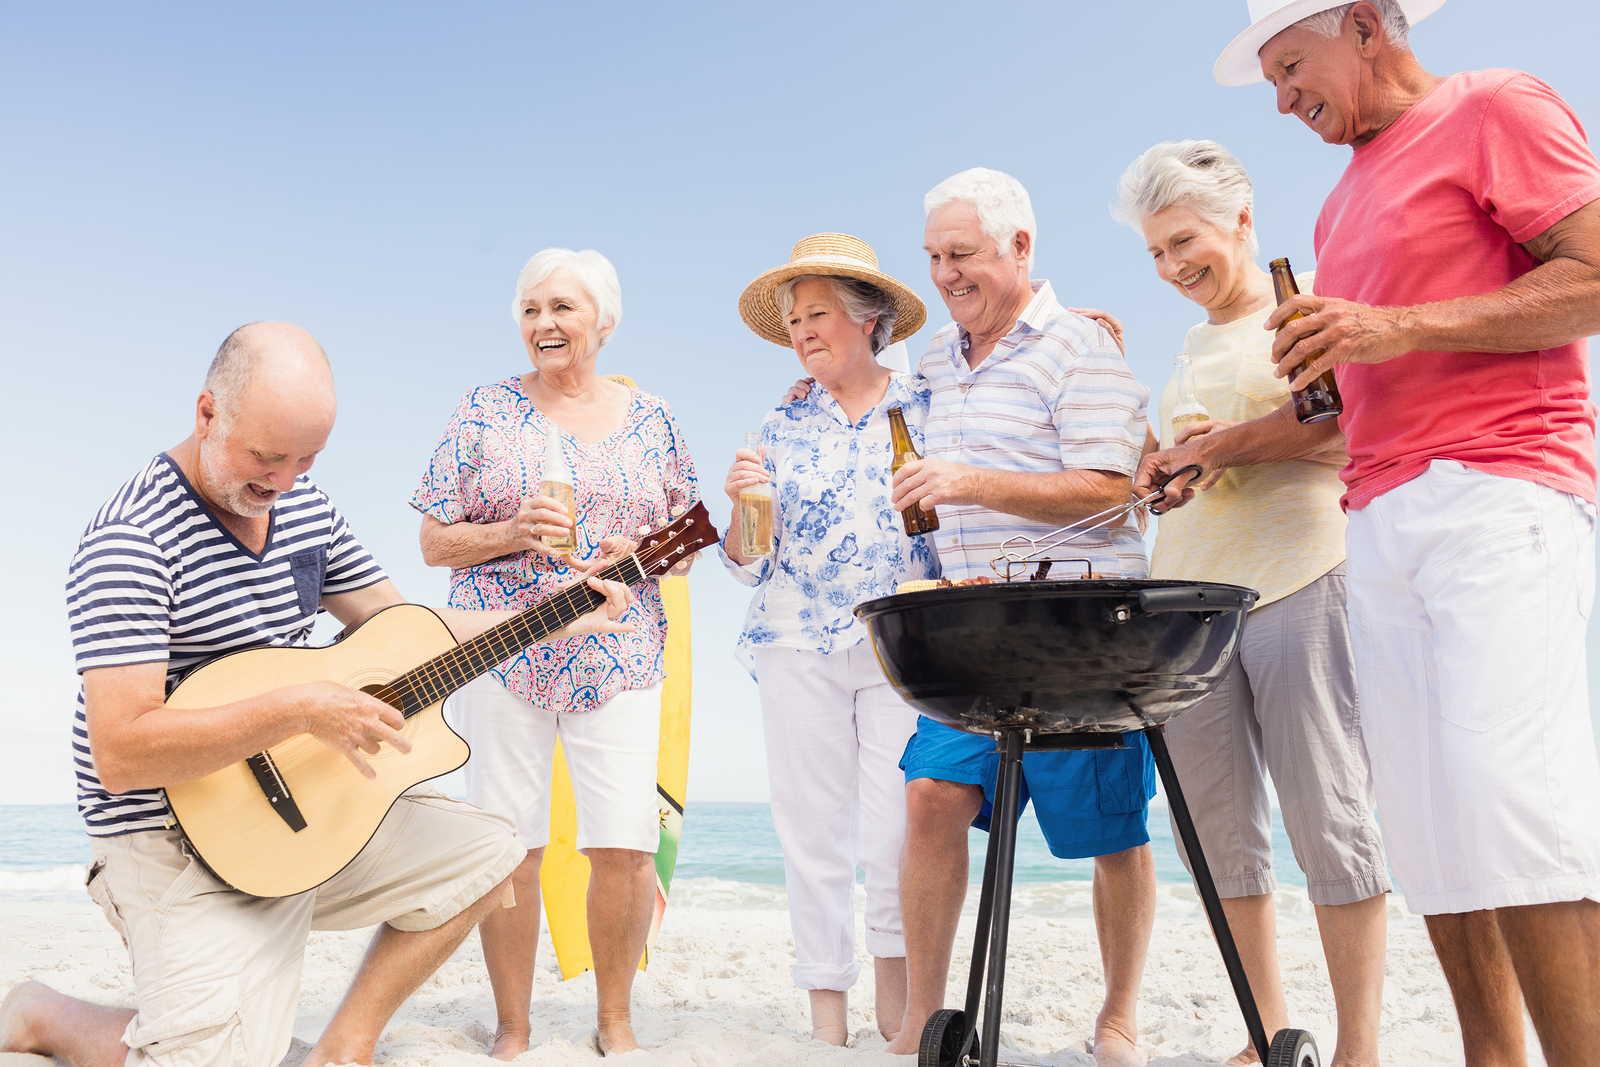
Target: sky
(379,173)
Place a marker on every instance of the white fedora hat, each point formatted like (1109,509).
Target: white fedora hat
(1239,63)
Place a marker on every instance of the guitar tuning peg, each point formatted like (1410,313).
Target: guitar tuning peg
(643,530)
(679,511)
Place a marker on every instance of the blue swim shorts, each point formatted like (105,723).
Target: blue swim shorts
(1089,802)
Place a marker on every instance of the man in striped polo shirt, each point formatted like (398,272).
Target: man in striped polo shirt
(222,544)
(1035,423)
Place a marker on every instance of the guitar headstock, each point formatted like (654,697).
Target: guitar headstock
(661,550)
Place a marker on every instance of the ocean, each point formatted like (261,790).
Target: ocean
(43,851)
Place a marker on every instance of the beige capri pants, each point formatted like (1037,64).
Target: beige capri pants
(217,972)
(1288,706)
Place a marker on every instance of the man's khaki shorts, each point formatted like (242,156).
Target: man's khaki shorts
(218,972)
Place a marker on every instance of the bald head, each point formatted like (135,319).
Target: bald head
(276,367)
(265,414)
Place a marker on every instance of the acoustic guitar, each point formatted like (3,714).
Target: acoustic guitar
(288,819)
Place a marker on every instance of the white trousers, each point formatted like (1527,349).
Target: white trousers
(835,731)
(1469,597)
(611,756)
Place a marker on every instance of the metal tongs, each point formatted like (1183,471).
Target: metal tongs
(1017,552)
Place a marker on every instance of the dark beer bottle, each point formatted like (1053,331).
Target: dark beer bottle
(1319,400)
(917,521)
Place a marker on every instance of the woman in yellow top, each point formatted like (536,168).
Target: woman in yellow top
(1288,704)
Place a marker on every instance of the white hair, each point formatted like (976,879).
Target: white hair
(1201,174)
(999,199)
(1330,23)
(594,273)
(860,301)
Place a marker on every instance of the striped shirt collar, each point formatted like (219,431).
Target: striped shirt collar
(1034,318)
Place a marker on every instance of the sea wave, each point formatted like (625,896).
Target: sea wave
(50,883)
(1054,900)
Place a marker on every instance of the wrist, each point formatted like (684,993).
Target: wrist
(973,486)
(1409,333)
(506,534)
(1210,449)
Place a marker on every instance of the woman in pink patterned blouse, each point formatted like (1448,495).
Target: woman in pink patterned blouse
(601,694)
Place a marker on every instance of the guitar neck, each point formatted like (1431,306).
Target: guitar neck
(436,679)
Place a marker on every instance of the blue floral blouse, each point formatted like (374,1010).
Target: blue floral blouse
(838,542)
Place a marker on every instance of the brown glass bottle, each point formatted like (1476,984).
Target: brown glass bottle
(1319,400)
(917,521)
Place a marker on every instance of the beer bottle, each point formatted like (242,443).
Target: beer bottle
(755,511)
(1188,408)
(917,521)
(557,482)
(1320,400)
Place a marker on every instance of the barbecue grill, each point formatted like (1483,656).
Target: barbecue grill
(1048,665)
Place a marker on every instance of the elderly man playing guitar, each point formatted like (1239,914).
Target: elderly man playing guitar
(218,545)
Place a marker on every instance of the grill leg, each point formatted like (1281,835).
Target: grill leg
(980,942)
(1003,829)
(1208,890)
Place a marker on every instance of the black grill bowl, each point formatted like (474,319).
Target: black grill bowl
(1075,656)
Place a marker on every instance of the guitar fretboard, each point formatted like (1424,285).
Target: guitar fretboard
(436,679)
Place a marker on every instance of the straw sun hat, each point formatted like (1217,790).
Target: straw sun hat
(826,253)
(1239,63)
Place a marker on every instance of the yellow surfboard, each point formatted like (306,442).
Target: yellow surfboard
(564,875)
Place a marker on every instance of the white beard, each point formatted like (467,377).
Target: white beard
(234,496)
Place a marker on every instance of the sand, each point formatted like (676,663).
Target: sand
(719,991)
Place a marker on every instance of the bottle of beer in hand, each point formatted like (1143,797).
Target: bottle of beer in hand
(1188,408)
(557,482)
(917,521)
(1319,400)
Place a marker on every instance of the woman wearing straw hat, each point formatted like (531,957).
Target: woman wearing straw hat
(834,727)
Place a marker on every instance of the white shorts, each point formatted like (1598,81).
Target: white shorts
(1469,597)
(610,751)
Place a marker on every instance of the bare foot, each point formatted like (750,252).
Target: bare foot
(16,1030)
(906,1043)
(508,1043)
(1114,1044)
(615,1037)
(1245,1056)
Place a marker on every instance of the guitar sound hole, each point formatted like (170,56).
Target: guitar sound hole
(375,688)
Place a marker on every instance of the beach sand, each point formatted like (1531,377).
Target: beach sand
(719,990)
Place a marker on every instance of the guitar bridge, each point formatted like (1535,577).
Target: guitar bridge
(276,790)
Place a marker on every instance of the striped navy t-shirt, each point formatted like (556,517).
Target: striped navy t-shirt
(157,578)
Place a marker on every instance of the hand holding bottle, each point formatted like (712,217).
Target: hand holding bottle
(538,519)
(1317,399)
(747,470)
(748,486)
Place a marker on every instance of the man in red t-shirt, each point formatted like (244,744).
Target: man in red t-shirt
(1458,274)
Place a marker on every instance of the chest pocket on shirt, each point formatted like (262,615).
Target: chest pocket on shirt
(1255,381)
(308,569)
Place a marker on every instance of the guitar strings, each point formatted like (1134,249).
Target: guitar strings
(431,682)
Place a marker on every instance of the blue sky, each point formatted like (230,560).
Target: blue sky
(379,173)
